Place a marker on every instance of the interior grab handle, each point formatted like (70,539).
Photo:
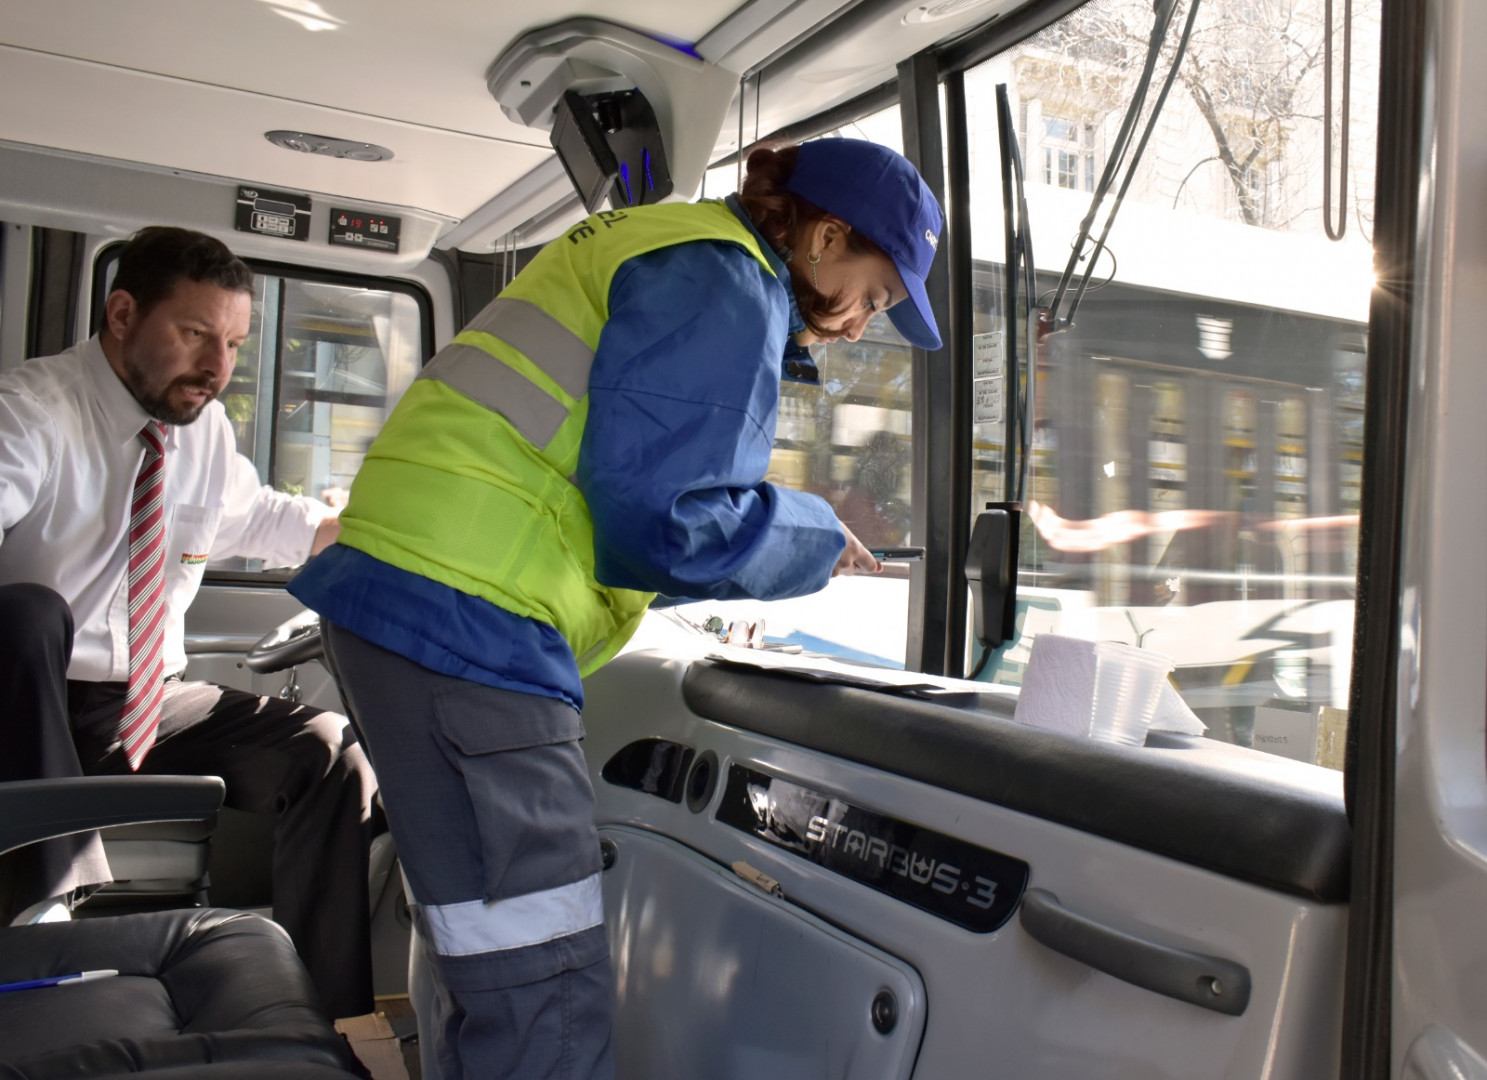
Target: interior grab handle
(1206,981)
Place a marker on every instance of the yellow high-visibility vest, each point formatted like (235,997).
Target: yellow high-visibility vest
(471,481)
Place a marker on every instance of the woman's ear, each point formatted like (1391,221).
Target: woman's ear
(811,240)
(833,232)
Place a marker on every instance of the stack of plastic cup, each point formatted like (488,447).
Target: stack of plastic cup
(1128,682)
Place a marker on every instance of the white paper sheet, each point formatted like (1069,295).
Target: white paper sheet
(825,669)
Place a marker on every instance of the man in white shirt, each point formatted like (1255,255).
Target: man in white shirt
(115,457)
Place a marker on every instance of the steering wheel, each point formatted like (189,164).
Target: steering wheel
(293,642)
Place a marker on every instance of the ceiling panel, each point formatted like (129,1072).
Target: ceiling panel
(99,77)
(421,63)
(220,132)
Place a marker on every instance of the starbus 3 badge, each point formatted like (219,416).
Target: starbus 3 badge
(968,885)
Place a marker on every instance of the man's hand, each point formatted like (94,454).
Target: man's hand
(325,534)
(856,559)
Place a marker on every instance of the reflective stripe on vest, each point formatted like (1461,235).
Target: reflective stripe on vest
(485,380)
(502,386)
(526,327)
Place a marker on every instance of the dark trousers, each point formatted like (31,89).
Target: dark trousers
(300,763)
(488,797)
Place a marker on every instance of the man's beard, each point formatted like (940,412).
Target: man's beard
(155,398)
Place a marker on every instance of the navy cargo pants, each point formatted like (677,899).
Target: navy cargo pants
(489,800)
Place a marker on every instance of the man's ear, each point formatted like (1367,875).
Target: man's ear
(119,311)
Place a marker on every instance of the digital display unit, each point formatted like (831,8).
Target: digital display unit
(610,146)
(583,149)
(285,214)
(363,229)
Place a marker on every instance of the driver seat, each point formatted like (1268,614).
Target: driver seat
(165,864)
(169,864)
(162,864)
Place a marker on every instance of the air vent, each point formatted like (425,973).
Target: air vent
(923,13)
(328,146)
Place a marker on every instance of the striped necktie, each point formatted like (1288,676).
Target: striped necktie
(141,714)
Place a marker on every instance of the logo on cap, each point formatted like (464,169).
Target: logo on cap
(934,241)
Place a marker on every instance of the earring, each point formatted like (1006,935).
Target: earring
(815,260)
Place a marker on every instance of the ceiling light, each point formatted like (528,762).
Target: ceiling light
(933,12)
(328,146)
(307,13)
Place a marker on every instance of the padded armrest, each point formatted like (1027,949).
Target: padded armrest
(33,810)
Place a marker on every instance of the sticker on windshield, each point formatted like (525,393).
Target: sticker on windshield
(988,400)
(968,885)
(987,353)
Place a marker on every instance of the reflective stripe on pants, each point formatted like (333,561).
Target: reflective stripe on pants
(479,926)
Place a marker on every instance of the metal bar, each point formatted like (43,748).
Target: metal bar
(936,619)
(281,344)
(959,351)
(1011,280)
(1405,68)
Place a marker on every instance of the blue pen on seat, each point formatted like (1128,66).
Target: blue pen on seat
(59,980)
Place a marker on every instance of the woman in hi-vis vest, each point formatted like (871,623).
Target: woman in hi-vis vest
(599,434)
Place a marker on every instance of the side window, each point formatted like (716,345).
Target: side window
(323,365)
(1197,440)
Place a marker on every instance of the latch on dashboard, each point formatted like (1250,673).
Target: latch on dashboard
(759,879)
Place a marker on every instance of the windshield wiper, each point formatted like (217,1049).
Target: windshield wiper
(1165,9)
(1021,273)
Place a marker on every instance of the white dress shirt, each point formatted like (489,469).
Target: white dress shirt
(69,455)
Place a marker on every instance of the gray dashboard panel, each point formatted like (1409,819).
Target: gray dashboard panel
(1282,824)
(718,979)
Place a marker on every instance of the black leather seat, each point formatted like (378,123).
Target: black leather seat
(201,994)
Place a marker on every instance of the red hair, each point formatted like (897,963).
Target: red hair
(781,216)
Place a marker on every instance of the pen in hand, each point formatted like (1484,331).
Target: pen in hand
(59,980)
(897,554)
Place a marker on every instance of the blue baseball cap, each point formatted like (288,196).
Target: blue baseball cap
(881,195)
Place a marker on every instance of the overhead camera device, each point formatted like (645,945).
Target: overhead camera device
(610,146)
(631,118)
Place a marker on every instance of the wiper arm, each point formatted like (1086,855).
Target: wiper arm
(1163,22)
(1020,264)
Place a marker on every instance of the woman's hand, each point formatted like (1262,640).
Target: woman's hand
(856,559)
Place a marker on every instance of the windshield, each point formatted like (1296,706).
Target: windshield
(1195,452)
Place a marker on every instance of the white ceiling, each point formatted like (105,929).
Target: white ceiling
(99,78)
(192,85)
(419,62)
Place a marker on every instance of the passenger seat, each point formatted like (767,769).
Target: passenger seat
(200,994)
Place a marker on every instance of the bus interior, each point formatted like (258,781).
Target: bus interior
(1210,281)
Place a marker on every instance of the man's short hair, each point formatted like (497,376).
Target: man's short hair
(157,257)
